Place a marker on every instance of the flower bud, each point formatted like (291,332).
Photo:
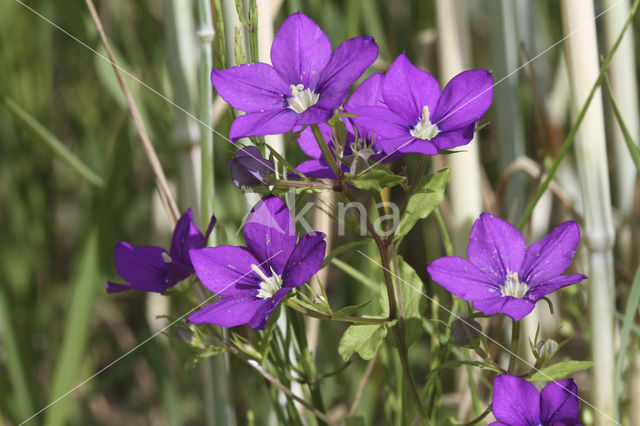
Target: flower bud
(465,330)
(249,168)
(546,348)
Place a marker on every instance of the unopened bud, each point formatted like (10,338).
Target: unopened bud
(465,330)
(546,348)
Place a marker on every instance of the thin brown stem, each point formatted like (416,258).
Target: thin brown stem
(161,180)
(362,385)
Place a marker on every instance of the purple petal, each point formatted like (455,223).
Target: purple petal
(313,115)
(538,291)
(270,233)
(407,89)
(495,247)
(253,87)
(462,279)
(345,67)
(226,270)
(382,121)
(317,169)
(552,255)
(369,93)
(305,260)
(186,236)
(178,272)
(249,168)
(308,143)
(112,287)
(454,138)
(515,402)
(271,122)
(261,317)
(228,312)
(300,51)
(141,265)
(408,145)
(559,403)
(464,100)
(510,306)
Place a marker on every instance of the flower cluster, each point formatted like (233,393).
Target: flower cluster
(400,112)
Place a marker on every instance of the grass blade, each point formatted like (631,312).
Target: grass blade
(634,151)
(627,323)
(49,139)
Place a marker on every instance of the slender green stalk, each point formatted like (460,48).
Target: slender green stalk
(625,91)
(17,374)
(568,142)
(591,161)
(75,334)
(51,141)
(446,239)
(634,151)
(629,314)
(515,343)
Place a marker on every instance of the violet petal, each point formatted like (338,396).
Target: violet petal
(229,312)
(538,291)
(270,233)
(462,278)
(559,403)
(305,260)
(226,270)
(408,89)
(300,51)
(552,255)
(495,246)
(142,265)
(515,401)
(454,138)
(511,306)
(253,87)
(464,100)
(270,122)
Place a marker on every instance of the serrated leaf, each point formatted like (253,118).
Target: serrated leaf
(374,179)
(350,310)
(559,371)
(363,339)
(429,194)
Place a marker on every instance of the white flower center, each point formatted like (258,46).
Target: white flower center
(301,98)
(269,285)
(513,287)
(424,129)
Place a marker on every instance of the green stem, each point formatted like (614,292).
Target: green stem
(326,152)
(398,337)
(446,238)
(306,360)
(515,340)
(574,129)
(310,185)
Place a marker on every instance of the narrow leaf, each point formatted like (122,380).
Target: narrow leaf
(559,371)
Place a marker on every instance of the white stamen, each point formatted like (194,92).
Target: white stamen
(269,285)
(301,98)
(513,287)
(424,129)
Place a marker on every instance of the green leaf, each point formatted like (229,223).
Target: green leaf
(559,371)
(363,340)
(354,421)
(627,323)
(413,300)
(192,362)
(350,310)
(374,179)
(429,194)
(634,151)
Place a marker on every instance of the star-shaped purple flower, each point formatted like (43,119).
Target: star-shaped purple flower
(362,146)
(249,168)
(151,268)
(304,85)
(516,402)
(504,276)
(414,116)
(253,280)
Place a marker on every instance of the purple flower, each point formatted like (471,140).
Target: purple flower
(501,275)
(417,117)
(304,85)
(516,402)
(359,150)
(249,168)
(151,268)
(253,280)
